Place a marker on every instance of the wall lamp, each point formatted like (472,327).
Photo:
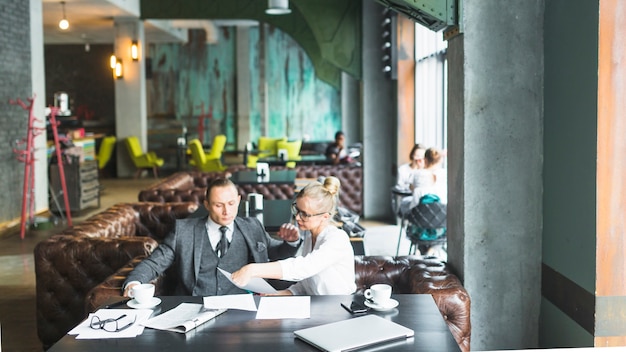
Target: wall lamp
(134,50)
(63,23)
(278,7)
(118,71)
(112,61)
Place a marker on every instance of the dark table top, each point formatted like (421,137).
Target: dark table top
(238,330)
(275,177)
(312,159)
(275,213)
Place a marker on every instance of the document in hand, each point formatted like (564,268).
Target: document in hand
(256,284)
(183,318)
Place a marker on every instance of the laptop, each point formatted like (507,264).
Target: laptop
(355,333)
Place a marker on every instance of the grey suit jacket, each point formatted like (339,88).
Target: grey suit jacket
(182,249)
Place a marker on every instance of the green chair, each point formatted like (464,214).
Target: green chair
(142,160)
(106,151)
(207,162)
(293,151)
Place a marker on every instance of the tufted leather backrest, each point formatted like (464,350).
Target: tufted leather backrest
(191,186)
(351,177)
(70,264)
(411,274)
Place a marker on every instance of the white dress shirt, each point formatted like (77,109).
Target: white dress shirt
(326,269)
(215,235)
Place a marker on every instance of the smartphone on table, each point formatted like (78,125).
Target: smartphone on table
(356,306)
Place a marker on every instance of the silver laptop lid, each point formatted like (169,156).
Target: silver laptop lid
(355,333)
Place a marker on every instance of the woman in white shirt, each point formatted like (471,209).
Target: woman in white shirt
(325,264)
(432,179)
(405,171)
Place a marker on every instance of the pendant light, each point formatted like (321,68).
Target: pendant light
(278,7)
(63,23)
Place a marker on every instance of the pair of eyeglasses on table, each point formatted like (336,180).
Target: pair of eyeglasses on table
(111,324)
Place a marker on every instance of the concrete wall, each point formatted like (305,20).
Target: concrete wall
(495,167)
(571,68)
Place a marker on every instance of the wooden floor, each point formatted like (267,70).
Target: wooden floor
(17,279)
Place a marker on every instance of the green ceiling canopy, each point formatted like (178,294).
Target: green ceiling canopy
(329,31)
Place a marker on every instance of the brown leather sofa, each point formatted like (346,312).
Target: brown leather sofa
(406,274)
(190,186)
(70,264)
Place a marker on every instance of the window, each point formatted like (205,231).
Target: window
(430,88)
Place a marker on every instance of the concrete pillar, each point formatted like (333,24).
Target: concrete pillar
(130,92)
(379,111)
(350,112)
(495,143)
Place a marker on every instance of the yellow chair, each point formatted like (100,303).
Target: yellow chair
(105,151)
(219,143)
(293,151)
(206,162)
(142,160)
(267,146)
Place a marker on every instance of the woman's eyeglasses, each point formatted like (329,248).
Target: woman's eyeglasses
(110,325)
(304,216)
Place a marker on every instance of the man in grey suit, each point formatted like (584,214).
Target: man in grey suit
(197,246)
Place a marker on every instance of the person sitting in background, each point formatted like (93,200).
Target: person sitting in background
(325,264)
(336,152)
(432,179)
(405,171)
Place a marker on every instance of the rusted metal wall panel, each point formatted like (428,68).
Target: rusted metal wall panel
(197,79)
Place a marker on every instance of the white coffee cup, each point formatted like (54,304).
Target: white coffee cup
(142,293)
(379,294)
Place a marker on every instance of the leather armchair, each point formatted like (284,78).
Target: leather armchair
(70,264)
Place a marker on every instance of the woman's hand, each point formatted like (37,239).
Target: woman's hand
(289,232)
(242,276)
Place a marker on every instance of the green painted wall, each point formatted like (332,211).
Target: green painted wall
(188,77)
(570,112)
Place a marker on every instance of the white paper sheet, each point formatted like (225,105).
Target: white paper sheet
(256,284)
(84,331)
(284,307)
(243,302)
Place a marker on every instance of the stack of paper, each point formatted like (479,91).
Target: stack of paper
(85,331)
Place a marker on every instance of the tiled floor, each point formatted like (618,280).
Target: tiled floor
(17,279)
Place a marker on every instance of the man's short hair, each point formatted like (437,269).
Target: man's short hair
(338,134)
(218,182)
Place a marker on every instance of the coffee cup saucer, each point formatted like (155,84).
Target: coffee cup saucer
(153,303)
(389,306)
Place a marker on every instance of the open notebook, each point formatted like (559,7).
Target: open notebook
(355,333)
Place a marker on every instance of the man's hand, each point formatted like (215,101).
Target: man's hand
(128,287)
(289,232)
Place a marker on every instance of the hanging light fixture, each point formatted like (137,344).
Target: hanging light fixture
(134,50)
(278,7)
(63,23)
